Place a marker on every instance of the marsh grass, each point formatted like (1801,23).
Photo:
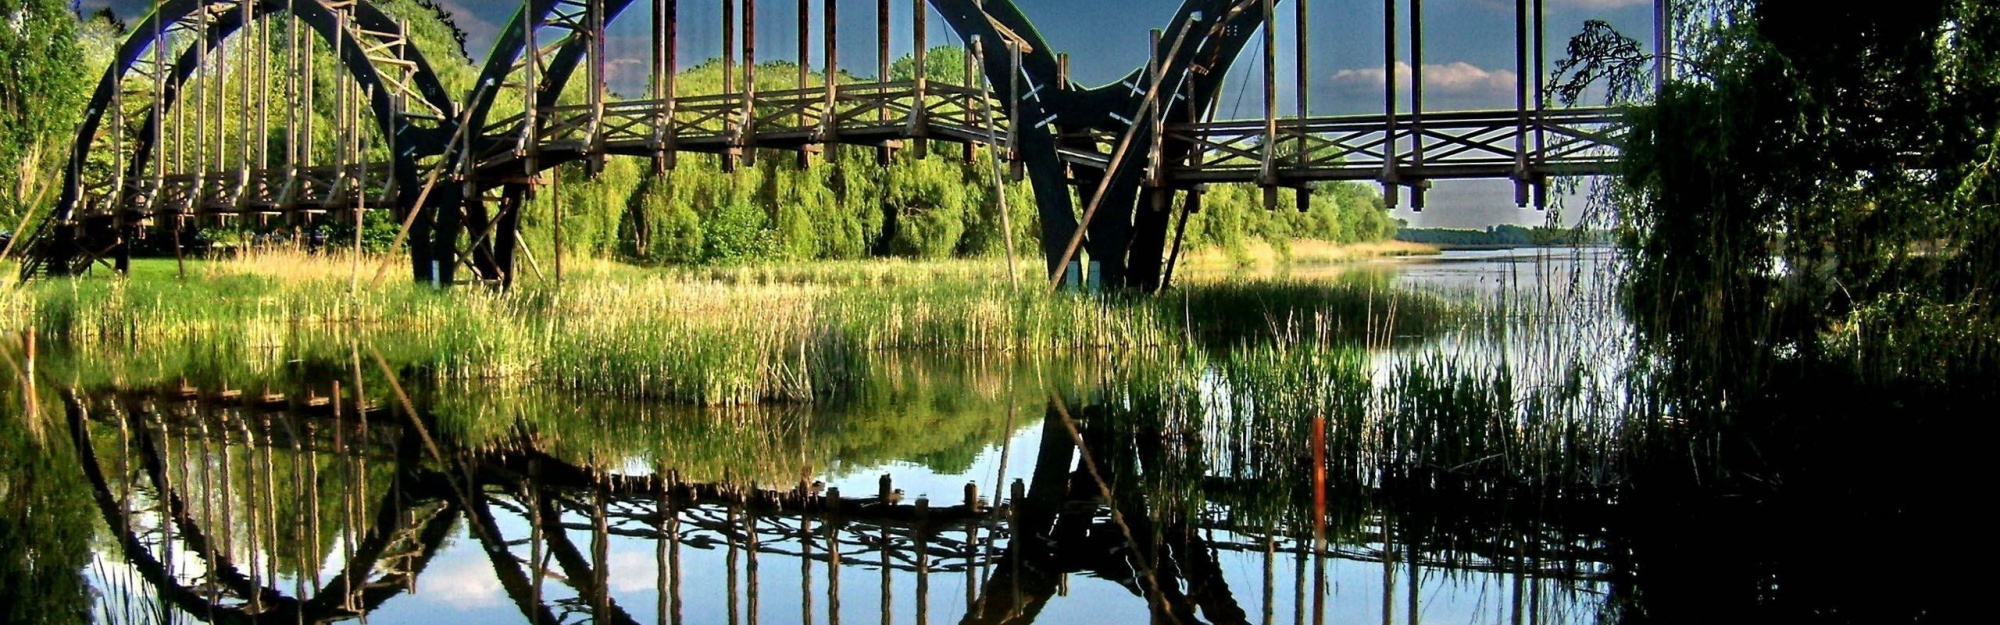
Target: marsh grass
(709,336)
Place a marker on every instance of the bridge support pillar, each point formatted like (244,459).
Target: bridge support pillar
(421,248)
(484,234)
(440,263)
(473,228)
(60,255)
(1149,239)
(1109,235)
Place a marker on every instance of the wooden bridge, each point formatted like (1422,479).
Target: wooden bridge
(203,119)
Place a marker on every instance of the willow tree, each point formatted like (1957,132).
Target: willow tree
(1808,165)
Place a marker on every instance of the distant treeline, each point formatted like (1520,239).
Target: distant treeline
(841,205)
(1504,236)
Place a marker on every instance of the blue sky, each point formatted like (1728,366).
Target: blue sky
(1468,55)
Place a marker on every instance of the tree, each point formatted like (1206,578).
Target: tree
(1821,166)
(43,84)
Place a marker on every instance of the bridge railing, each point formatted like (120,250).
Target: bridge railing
(862,113)
(1470,144)
(248,192)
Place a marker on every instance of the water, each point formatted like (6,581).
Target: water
(1109,497)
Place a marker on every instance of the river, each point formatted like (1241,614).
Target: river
(956,490)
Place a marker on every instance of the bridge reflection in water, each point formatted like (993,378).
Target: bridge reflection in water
(229,508)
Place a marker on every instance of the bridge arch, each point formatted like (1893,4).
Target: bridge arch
(1051,115)
(405,101)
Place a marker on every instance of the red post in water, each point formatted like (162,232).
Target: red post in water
(1319,477)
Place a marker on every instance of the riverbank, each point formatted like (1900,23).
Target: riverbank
(1264,257)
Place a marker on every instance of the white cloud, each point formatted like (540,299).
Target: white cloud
(1457,78)
(633,571)
(462,583)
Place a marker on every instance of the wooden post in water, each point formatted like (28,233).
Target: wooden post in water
(674,554)
(600,550)
(1299,583)
(1270,578)
(1388,570)
(1017,494)
(662,511)
(888,577)
(805,527)
(833,556)
(923,532)
(750,571)
(1520,574)
(1416,587)
(971,550)
(1319,519)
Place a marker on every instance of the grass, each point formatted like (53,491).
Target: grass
(712,336)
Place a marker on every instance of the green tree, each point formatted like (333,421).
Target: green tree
(1818,168)
(43,84)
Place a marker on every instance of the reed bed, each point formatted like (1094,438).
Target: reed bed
(706,336)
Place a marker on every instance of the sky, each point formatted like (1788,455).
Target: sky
(1468,56)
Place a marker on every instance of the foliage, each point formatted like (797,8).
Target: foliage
(1793,176)
(42,90)
(46,520)
(843,205)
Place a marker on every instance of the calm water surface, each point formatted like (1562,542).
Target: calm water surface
(953,491)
